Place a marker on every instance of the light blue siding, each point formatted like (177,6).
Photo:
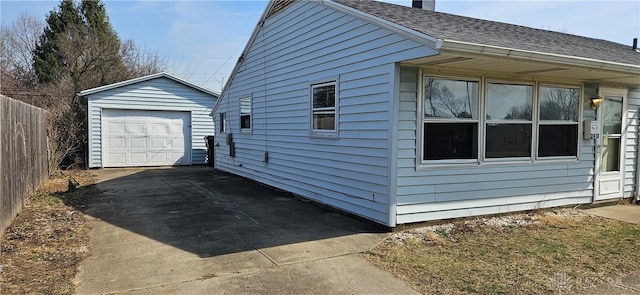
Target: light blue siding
(455,191)
(631,154)
(308,43)
(160,94)
(371,167)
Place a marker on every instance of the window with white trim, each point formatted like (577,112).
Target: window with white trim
(517,121)
(222,123)
(509,121)
(450,119)
(245,114)
(559,109)
(323,108)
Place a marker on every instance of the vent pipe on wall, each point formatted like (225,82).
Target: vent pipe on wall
(424,4)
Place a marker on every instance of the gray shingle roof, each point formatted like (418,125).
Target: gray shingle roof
(466,29)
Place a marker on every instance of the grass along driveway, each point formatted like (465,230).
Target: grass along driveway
(42,247)
(552,252)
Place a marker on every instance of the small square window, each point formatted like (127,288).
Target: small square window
(323,108)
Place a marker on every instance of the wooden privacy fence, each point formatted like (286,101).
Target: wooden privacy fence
(23,155)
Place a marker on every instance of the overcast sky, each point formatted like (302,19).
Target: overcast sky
(201,40)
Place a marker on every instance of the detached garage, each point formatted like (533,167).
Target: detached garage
(156,120)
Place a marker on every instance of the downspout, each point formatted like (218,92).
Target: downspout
(439,43)
(392,214)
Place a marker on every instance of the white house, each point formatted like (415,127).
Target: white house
(156,120)
(401,114)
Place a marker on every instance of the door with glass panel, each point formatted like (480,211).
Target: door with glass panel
(609,182)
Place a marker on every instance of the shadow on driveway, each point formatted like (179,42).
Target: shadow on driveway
(210,213)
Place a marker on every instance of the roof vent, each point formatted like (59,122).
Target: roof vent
(424,4)
(635,44)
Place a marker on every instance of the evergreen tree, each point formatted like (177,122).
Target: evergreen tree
(48,61)
(80,42)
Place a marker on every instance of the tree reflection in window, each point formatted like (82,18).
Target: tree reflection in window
(558,127)
(509,120)
(450,119)
(451,98)
(558,103)
(612,117)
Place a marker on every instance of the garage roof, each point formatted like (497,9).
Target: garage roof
(147,78)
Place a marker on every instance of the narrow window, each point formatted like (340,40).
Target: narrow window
(245,114)
(222,123)
(612,112)
(450,119)
(508,120)
(323,108)
(558,123)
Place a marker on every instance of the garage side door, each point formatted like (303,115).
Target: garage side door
(145,138)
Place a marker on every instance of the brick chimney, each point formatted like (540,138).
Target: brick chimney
(424,4)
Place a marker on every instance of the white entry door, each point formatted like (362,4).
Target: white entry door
(145,138)
(611,144)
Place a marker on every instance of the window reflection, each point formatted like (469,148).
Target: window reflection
(612,115)
(324,96)
(558,103)
(610,154)
(450,98)
(509,102)
(558,126)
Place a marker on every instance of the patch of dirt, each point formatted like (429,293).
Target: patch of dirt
(42,248)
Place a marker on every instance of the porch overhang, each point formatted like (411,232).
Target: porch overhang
(468,58)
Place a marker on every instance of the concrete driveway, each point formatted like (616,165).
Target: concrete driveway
(193,230)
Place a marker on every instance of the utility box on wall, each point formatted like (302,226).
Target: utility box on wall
(591,129)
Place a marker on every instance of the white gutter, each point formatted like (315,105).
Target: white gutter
(542,57)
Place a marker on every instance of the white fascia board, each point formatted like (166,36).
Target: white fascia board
(539,56)
(118,84)
(422,38)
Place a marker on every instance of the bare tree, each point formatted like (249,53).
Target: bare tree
(17,41)
(139,61)
(66,124)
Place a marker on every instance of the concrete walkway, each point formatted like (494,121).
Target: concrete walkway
(626,213)
(192,230)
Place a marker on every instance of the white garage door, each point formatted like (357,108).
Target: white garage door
(145,138)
